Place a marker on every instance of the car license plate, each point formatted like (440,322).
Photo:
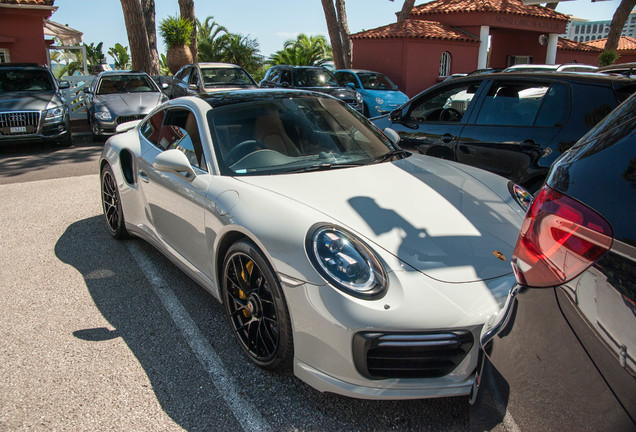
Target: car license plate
(18,129)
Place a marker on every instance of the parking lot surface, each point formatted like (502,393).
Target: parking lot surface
(99,334)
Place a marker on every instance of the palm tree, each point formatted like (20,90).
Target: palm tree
(304,51)
(137,35)
(210,40)
(243,51)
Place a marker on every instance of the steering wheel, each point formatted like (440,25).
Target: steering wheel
(241,150)
(450,114)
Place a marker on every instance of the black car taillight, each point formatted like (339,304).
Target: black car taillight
(559,239)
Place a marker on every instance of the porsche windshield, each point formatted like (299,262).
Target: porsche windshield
(295,134)
(25,80)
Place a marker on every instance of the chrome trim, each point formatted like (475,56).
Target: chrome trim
(505,317)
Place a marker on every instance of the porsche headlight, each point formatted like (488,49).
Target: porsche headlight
(103,115)
(522,196)
(54,112)
(346,262)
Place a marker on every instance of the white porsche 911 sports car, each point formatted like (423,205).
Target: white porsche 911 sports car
(371,271)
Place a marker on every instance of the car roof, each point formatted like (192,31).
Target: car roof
(359,70)
(22,65)
(122,72)
(231,97)
(216,65)
(561,76)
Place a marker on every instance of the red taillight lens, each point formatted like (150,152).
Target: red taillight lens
(559,239)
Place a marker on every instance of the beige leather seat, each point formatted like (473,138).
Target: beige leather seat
(269,131)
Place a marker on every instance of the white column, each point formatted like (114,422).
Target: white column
(550,55)
(484,32)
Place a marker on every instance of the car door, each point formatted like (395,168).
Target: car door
(515,123)
(176,201)
(433,121)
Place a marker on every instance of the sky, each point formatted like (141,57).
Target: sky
(271,22)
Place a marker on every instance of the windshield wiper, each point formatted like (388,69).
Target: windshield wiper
(399,154)
(323,167)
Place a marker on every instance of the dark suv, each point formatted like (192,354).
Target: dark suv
(565,355)
(31,105)
(513,124)
(314,78)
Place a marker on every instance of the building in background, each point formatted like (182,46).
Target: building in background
(22,31)
(580,30)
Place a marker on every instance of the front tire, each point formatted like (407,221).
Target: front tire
(256,307)
(111,204)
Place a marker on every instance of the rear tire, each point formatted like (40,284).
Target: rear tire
(111,204)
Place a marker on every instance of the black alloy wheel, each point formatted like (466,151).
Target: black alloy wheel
(111,204)
(256,308)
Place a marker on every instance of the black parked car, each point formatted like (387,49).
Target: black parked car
(197,78)
(314,78)
(513,124)
(31,105)
(566,358)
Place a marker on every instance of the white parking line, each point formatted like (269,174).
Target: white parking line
(245,412)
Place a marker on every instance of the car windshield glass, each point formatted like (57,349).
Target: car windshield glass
(294,134)
(214,77)
(126,84)
(16,80)
(376,81)
(316,77)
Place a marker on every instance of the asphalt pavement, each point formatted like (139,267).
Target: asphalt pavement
(99,334)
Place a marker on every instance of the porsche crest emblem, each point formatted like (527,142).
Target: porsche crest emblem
(499,255)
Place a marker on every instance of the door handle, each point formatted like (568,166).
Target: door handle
(143,176)
(446,138)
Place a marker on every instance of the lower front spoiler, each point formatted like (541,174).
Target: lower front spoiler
(387,389)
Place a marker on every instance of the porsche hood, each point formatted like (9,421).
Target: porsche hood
(433,216)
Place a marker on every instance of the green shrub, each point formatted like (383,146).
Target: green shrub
(607,58)
(176,31)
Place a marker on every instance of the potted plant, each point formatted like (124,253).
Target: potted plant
(176,33)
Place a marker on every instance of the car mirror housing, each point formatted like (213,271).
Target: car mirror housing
(85,89)
(396,115)
(392,135)
(174,161)
(64,84)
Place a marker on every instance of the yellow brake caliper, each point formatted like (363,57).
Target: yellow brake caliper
(242,295)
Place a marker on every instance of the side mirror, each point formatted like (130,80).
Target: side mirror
(174,161)
(164,85)
(193,87)
(64,84)
(86,90)
(351,85)
(393,136)
(125,127)
(396,115)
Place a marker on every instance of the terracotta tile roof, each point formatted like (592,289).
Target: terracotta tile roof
(513,7)
(625,43)
(29,2)
(570,45)
(415,29)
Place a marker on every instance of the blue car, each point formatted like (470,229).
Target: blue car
(379,93)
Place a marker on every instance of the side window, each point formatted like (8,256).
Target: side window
(449,105)
(512,104)
(345,78)
(555,109)
(285,77)
(151,128)
(180,131)
(184,74)
(194,77)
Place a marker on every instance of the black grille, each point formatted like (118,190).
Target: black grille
(410,355)
(19,122)
(124,119)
